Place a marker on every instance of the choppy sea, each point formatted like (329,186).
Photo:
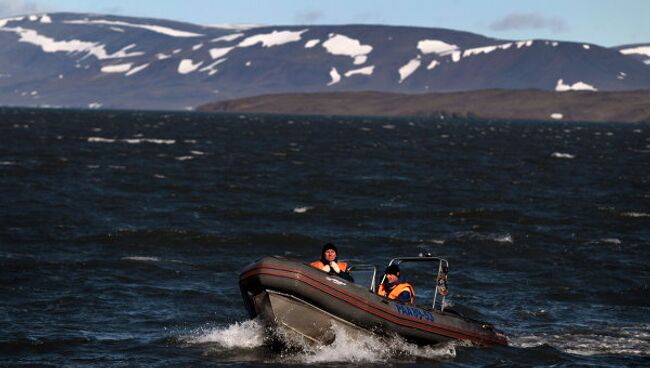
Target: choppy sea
(122,234)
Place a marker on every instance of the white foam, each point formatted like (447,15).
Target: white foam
(408,69)
(274,38)
(184,158)
(312,43)
(339,44)
(131,140)
(243,335)
(187,66)
(586,47)
(7,163)
(197,46)
(610,241)
(436,46)
(141,259)
(45,19)
(336,77)
(562,155)
(612,340)
(302,209)
(557,116)
(94,105)
(372,349)
(577,86)
(635,214)
(162,56)
(116,29)
(368,70)
(157,29)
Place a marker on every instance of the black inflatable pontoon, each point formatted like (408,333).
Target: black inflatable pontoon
(291,294)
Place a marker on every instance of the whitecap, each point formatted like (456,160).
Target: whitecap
(302,209)
(612,340)
(184,158)
(562,155)
(7,163)
(141,259)
(635,214)
(100,140)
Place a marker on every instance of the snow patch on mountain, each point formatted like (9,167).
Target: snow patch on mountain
(274,38)
(368,70)
(158,29)
(408,69)
(187,66)
(339,44)
(433,64)
(336,77)
(227,38)
(117,68)
(312,43)
(577,86)
(641,50)
(212,68)
(50,45)
(136,69)
(486,49)
(234,26)
(436,46)
(220,52)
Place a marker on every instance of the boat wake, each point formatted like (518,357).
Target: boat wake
(252,335)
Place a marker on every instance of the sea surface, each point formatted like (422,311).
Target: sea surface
(122,234)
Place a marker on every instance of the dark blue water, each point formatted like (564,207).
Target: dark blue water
(122,234)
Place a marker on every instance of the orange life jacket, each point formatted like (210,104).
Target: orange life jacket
(397,290)
(320,265)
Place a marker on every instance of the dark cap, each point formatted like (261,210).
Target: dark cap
(329,246)
(392,270)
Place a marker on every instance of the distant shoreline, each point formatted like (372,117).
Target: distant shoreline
(624,107)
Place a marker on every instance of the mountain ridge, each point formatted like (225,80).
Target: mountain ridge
(94,60)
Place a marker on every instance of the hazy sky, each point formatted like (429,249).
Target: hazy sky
(603,22)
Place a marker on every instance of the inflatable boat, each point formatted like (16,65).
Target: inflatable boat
(314,305)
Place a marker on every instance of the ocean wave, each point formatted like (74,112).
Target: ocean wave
(346,347)
(562,155)
(141,259)
(243,335)
(495,237)
(635,214)
(302,209)
(625,340)
(131,140)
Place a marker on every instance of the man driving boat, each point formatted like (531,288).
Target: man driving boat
(395,288)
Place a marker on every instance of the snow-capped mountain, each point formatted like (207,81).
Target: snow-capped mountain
(89,60)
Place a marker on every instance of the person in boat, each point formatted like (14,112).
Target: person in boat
(329,262)
(394,287)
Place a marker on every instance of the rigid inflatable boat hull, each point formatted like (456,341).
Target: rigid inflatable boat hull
(305,300)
